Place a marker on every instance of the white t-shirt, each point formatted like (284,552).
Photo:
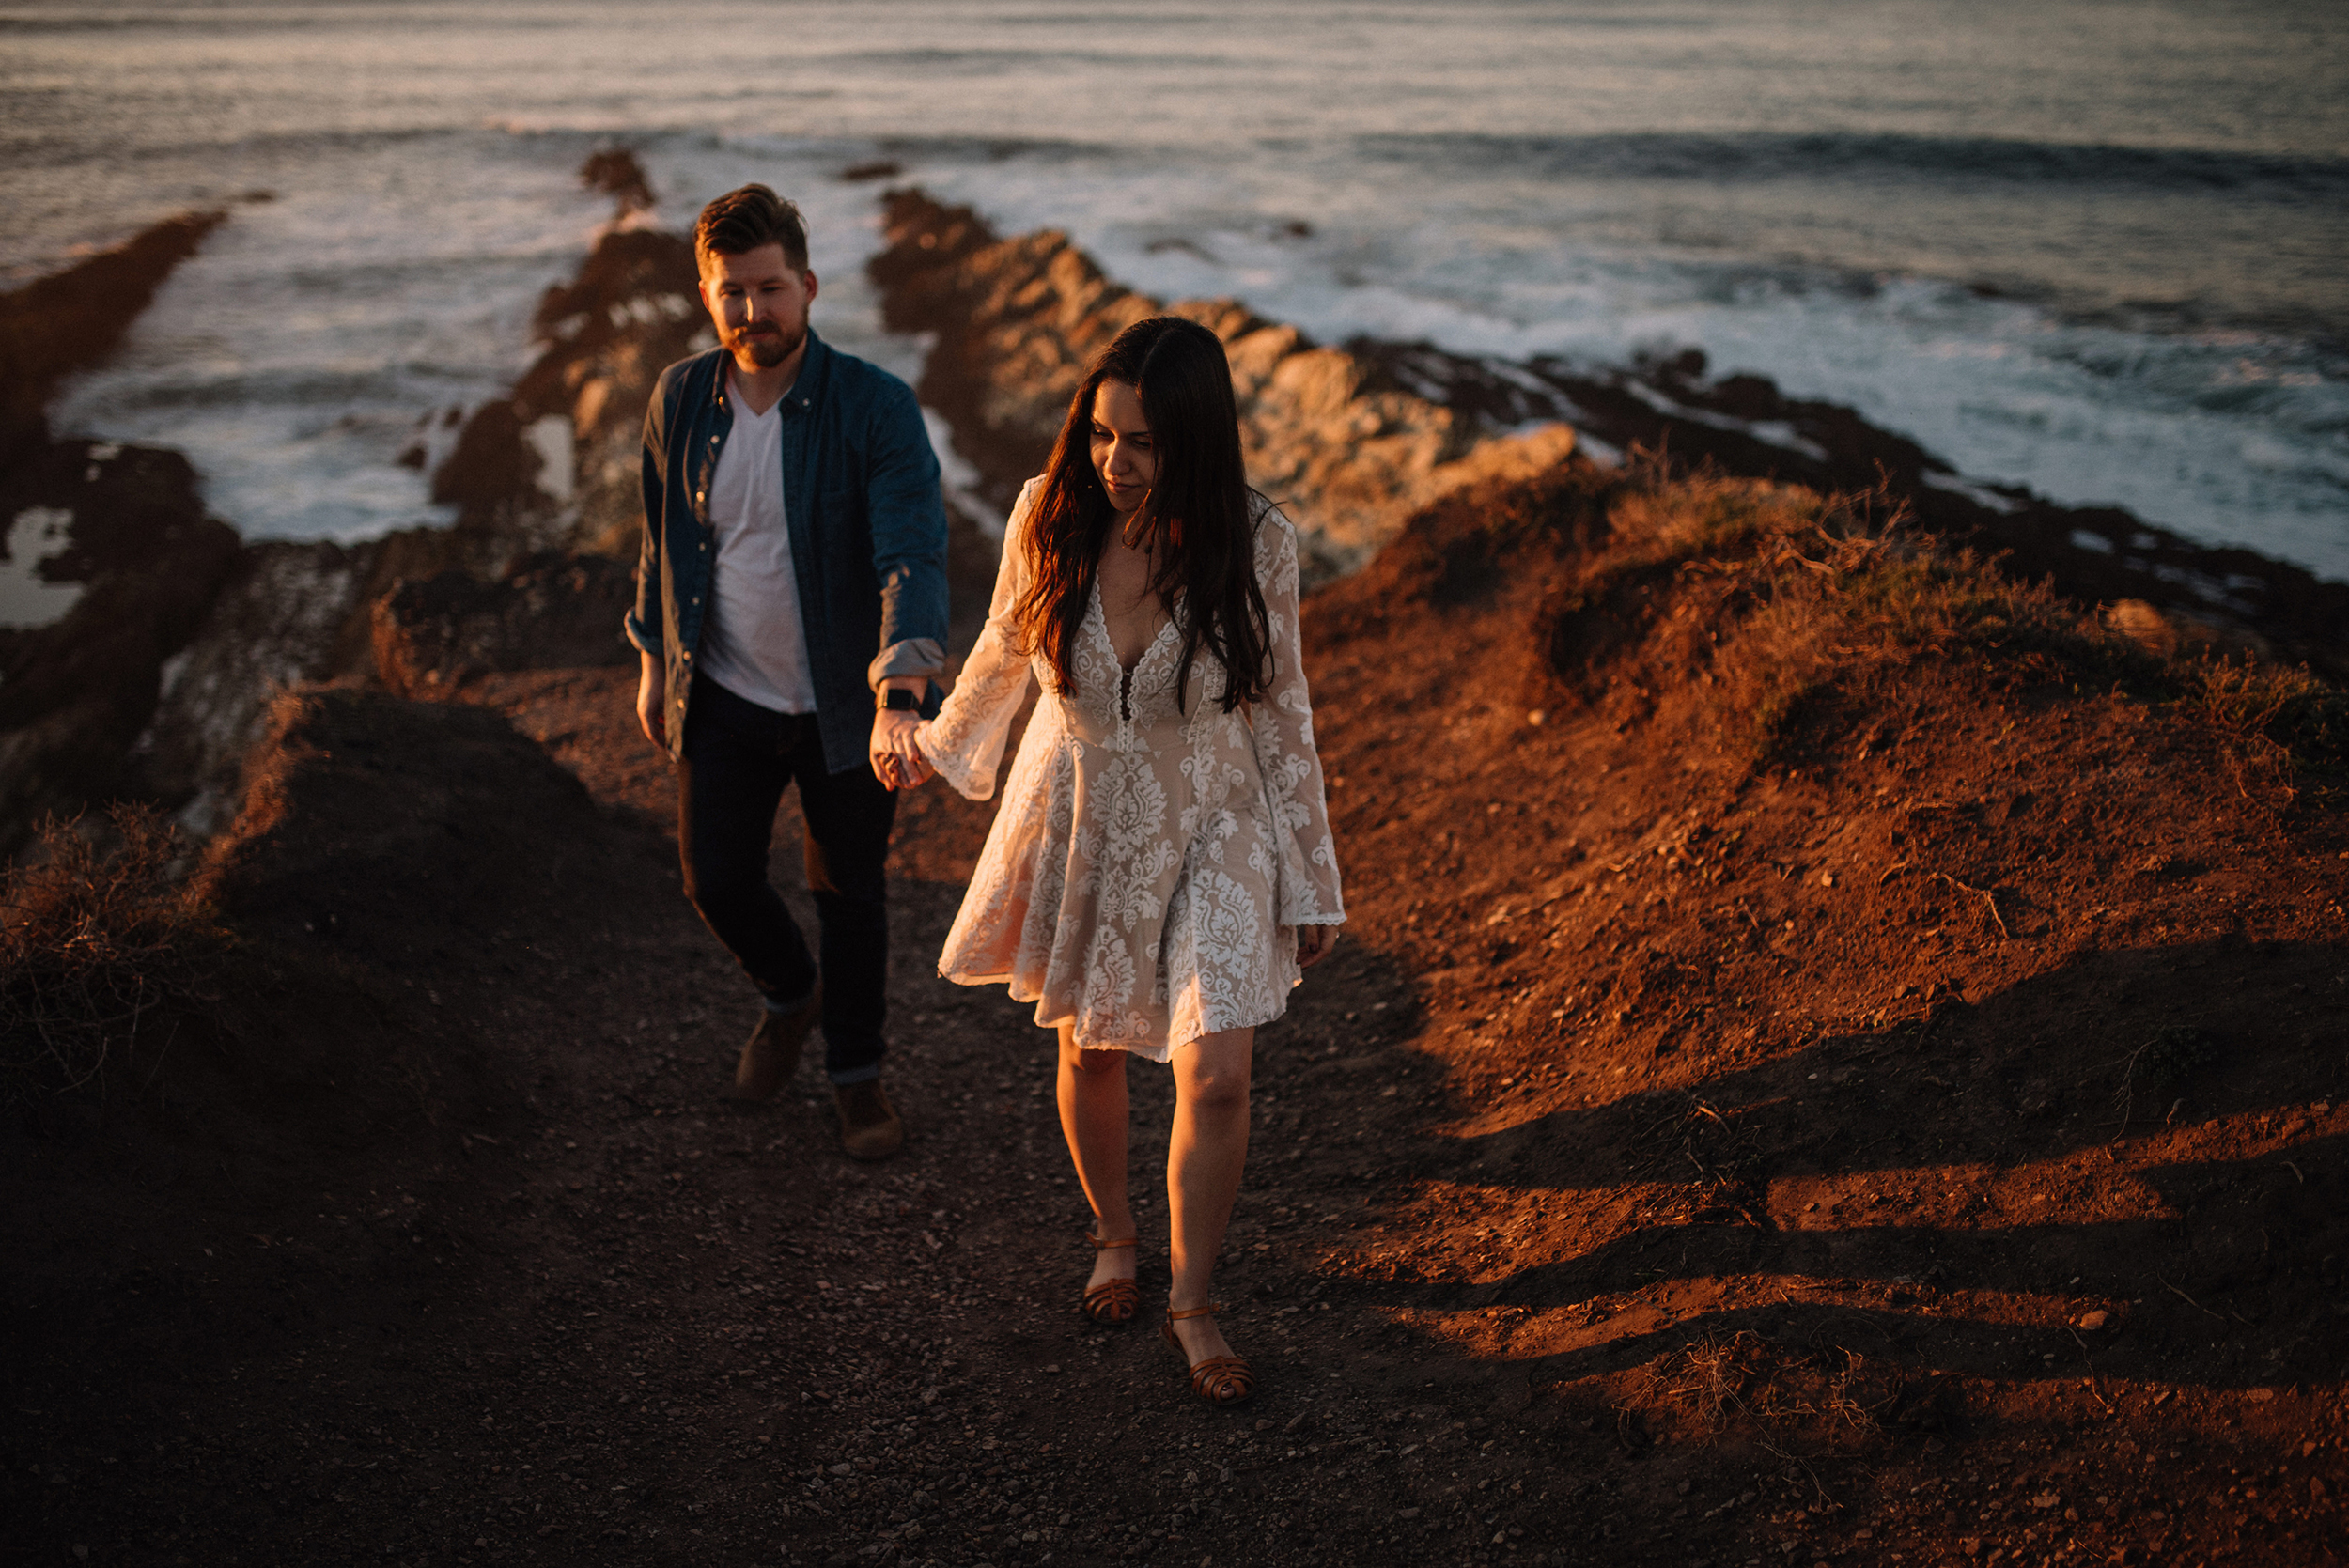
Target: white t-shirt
(753,643)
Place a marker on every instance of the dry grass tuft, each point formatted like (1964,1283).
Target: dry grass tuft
(1772,1393)
(98,943)
(2287,727)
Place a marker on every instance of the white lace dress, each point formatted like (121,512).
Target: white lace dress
(1149,867)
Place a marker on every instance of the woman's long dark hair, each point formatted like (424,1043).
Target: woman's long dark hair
(1197,510)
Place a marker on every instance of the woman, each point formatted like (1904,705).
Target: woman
(1161,868)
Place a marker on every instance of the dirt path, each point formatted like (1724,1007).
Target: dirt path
(597,1315)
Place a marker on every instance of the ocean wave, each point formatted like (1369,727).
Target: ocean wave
(1753,158)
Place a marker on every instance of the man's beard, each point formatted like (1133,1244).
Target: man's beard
(769,346)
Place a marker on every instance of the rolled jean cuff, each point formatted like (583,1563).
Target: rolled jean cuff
(847,1075)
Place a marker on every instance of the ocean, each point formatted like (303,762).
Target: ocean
(2095,247)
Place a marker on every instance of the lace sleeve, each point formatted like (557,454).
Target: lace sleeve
(1307,892)
(965,742)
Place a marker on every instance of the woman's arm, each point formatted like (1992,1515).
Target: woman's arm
(1306,890)
(965,741)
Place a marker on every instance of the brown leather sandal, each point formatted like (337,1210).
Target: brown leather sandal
(1219,1379)
(1111,1301)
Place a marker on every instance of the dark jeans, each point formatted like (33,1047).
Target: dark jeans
(737,758)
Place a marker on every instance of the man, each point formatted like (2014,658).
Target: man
(790,611)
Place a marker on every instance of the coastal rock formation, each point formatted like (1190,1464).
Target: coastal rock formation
(554,465)
(550,467)
(74,319)
(1346,449)
(432,635)
(112,563)
(1355,437)
(276,623)
(290,613)
(1670,406)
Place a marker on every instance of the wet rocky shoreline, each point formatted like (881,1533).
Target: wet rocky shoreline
(156,681)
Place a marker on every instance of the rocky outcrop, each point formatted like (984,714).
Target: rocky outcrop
(290,613)
(1354,438)
(74,319)
(1347,450)
(1673,409)
(554,464)
(275,624)
(549,468)
(434,635)
(110,557)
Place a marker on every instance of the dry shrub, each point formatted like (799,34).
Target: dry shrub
(100,945)
(1668,536)
(1760,1389)
(2283,722)
(1784,598)
(2290,707)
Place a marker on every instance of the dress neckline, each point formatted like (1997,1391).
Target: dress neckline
(1102,618)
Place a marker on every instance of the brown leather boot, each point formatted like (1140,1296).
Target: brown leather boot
(869,1128)
(771,1054)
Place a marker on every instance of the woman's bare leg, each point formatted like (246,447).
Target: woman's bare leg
(1093,1115)
(1204,1161)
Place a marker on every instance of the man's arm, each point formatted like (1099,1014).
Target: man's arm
(646,623)
(908,518)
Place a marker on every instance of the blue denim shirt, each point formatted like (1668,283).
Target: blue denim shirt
(867,524)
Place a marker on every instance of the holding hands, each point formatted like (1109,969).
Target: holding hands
(896,756)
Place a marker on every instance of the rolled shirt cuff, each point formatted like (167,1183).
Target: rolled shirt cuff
(925,656)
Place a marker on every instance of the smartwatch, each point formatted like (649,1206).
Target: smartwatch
(896,699)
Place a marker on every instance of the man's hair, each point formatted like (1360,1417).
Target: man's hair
(742,220)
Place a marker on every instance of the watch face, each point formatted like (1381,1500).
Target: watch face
(896,699)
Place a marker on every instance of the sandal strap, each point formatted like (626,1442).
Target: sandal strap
(1224,1378)
(1111,1301)
(1100,1246)
(1173,1316)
